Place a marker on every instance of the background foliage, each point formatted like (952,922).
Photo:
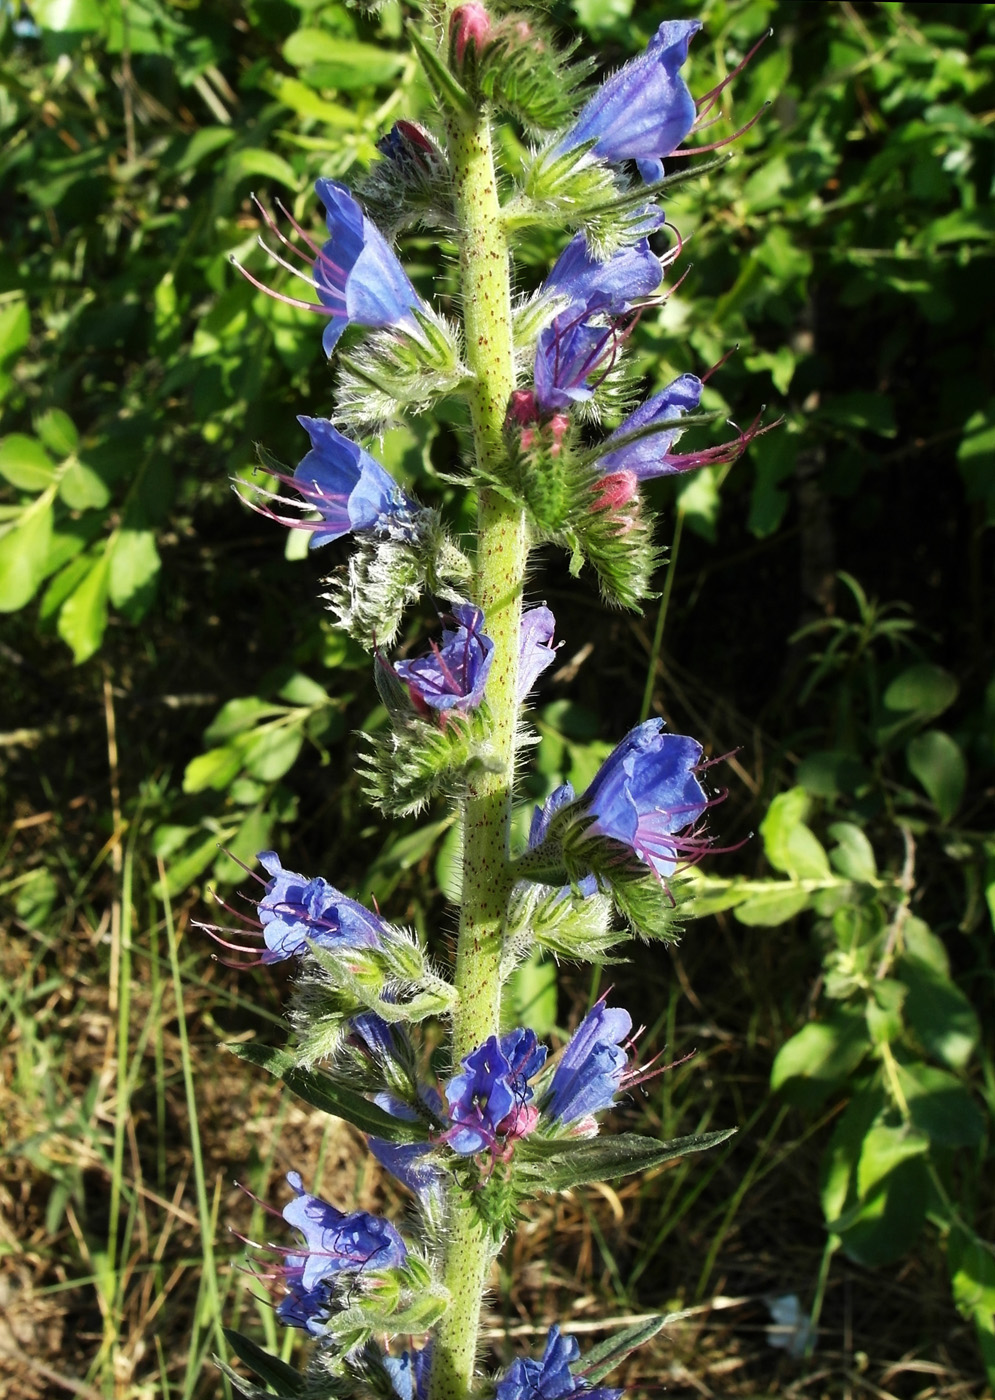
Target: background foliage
(827,621)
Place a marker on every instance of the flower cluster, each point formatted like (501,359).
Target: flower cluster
(470,1145)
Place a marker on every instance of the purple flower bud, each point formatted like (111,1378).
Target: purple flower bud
(536,651)
(584,339)
(489,1100)
(646,793)
(296,911)
(550,1378)
(454,674)
(575,346)
(590,1070)
(335,1243)
(644,111)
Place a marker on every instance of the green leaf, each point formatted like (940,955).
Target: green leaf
(699,500)
(530,995)
(332,62)
(822,1055)
(271,1369)
(972,1273)
(135,566)
(840,1160)
(860,409)
(922,691)
(237,715)
(938,762)
(181,874)
(15,332)
(213,769)
(940,1106)
(271,751)
(68,16)
(938,1012)
(83,616)
(789,844)
(853,855)
(608,1158)
(883,1227)
(25,463)
(321,1091)
(601,1360)
(81,488)
(884,1148)
(58,432)
(300,689)
(24,551)
(767,910)
(253,160)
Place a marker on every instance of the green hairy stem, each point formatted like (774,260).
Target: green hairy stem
(502,551)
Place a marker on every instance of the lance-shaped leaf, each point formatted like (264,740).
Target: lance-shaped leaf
(607,1158)
(600,1360)
(280,1377)
(321,1091)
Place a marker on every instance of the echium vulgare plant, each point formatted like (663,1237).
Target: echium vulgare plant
(537,378)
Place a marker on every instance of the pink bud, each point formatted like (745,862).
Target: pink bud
(615,490)
(522,408)
(558,426)
(469,24)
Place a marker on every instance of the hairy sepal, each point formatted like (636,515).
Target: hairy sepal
(522,71)
(394,1301)
(418,759)
(392,372)
(384,576)
(562,920)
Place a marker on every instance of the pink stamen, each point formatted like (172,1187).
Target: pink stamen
(717,145)
(707,100)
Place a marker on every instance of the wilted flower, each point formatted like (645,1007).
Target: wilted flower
(550,1378)
(646,793)
(490,1099)
(335,1243)
(645,110)
(454,674)
(589,1073)
(356,276)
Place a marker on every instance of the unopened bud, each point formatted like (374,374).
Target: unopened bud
(615,490)
(522,408)
(469,25)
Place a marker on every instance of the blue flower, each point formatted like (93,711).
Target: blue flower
(335,1243)
(296,911)
(535,652)
(591,1067)
(349,489)
(646,793)
(409,1372)
(410,1162)
(613,285)
(651,455)
(490,1098)
(357,276)
(583,339)
(550,1378)
(645,110)
(454,674)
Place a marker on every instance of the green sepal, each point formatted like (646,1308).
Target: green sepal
(450,93)
(393,371)
(567,924)
(529,75)
(601,1360)
(283,1379)
(384,576)
(322,1091)
(418,759)
(558,1164)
